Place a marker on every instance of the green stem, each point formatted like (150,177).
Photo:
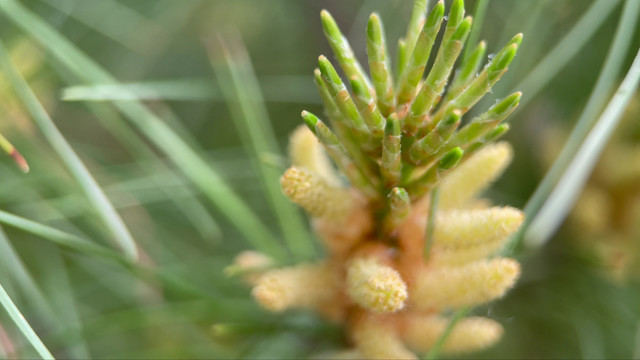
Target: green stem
(437,347)
(431,222)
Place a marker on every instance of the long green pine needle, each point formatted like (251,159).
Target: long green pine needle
(556,59)
(589,116)
(91,188)
(240,86)
(185,158)
(23,325)
(566,192)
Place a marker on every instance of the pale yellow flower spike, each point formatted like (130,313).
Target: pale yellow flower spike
(451,257)
(474,175)
(250,265)
(315,195)
(378,338)
(464,229)
(420,332)
(472,284)
(375,286)
(303,286)
(305,151)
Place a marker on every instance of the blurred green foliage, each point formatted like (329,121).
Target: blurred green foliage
(83,306)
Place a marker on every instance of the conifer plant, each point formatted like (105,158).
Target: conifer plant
(406,236)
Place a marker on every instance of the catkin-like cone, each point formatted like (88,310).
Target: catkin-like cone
(460,236)
(315,195)
(421,332)
(376,337)
(250,264)
(468,228)
(305,286)
(456,257)
(472,284)
(375,286)
(474,175)
(305,151)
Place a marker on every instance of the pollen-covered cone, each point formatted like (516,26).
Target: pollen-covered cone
(472,284)
(420,332)
(375,286)
(484,168)
(377,337)
(305,151)
(304,285)
(316,195)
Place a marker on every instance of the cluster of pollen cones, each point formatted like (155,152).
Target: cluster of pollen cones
(407,239)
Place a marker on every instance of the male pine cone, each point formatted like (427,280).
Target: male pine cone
(394,138)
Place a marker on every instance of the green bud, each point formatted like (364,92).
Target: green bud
(451,119)
(341,48)
(456,14)
(374,29)
(416,61)
(496,133)
(330,107)
(463,30)
(379,66)
(501,62)
(311,120)
(435,16)
(329,25)
(517,39)
(503,58)
(451,158)
(504,107)
(328,71)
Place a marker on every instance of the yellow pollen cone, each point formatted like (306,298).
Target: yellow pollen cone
(474,175)
(315,195)
(377,338)
(375,286)
(305,151)
(305,286)
(420,332)
(463,229)
(472,284)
